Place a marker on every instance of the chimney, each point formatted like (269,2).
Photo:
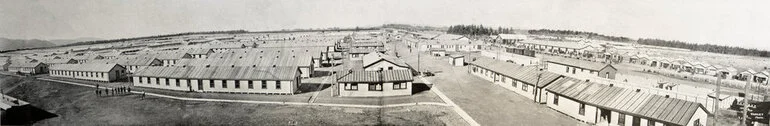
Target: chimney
(638,90)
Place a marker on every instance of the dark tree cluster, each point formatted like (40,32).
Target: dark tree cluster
(477,30)
(588,35)
(705,47)
(408,27)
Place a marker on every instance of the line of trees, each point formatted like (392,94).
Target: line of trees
(581,34)
(705,47)
(478,30)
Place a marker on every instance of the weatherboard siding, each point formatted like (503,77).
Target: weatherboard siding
(287,87)
(363,90)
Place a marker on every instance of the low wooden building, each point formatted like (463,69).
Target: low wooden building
(90,71)
(457,60)
(601,104)
(236,79)
(524,80)
(437,51)
(379,83)
(581,68)
(28,67)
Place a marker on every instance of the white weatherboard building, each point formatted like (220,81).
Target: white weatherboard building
(523,80)
(581,68)
(237,79)
(28,68)
(375,83)
(376,75)
(91,71)
(596,103)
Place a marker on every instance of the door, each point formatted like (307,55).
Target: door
(200,85)
(636,121)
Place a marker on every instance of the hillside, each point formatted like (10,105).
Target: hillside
(75,40)
(11,44)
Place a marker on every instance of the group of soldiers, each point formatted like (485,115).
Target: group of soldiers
(113,91)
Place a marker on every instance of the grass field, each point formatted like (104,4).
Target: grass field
(78,105)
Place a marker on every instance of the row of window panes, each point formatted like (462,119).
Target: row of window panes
(375,87)
(85,74)
(211,85)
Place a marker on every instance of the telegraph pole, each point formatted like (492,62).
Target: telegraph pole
(746,100)
(716,103)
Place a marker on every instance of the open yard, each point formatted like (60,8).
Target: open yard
(487,103)
(79,105)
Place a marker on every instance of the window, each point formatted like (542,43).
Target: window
(224,84)
(514,83)
(264,84)
(177,82)
(251,85)
(567,69)
(157,81)
(277,84)
(573,70)
(582,110)
(397,86)
(351,86)
(556,99)
(237,84)
(650,123)
(621,119)
(375,87)
(524,87)
(140,79)
(390,68)
(697,122)
(211,83)
(503,79)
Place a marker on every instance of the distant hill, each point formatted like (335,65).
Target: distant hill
(11,44)
(70,41)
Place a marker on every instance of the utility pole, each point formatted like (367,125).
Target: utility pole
(746,99)
(716,103)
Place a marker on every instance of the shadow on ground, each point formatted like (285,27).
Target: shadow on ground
(25,115)
(307,88)
(420,87)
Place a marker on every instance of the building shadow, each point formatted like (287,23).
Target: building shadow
(24,115)
(307,88)
(420,87)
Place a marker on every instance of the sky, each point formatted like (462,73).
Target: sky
(723,22)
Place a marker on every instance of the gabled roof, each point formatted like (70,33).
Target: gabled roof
(628,101)
(58,61)
(512,36)
(90,67)
(374,57)
(525,74)
(221,72)
(127,61)
(356,44)
(364,50)
(580,63)
(374,76)
(24,64)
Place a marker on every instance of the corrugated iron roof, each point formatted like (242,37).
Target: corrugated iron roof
(90,67)
(222,72)
(374,76)
(525,74)
(629,101)
(579,63)
(24,64)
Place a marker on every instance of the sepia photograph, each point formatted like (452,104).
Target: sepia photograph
(385,62)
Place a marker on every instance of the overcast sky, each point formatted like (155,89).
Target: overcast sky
(724,22)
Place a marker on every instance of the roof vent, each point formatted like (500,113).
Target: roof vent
(207,66)
(240,57)
(260,56)
(612,85)
(276,56)
(292,56)
(638,90)
(254,66)
(587,80)
(666,96)
(274,65)
(261,51)
(232,66)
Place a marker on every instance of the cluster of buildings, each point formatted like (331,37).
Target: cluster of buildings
(588,101)
(700,68)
